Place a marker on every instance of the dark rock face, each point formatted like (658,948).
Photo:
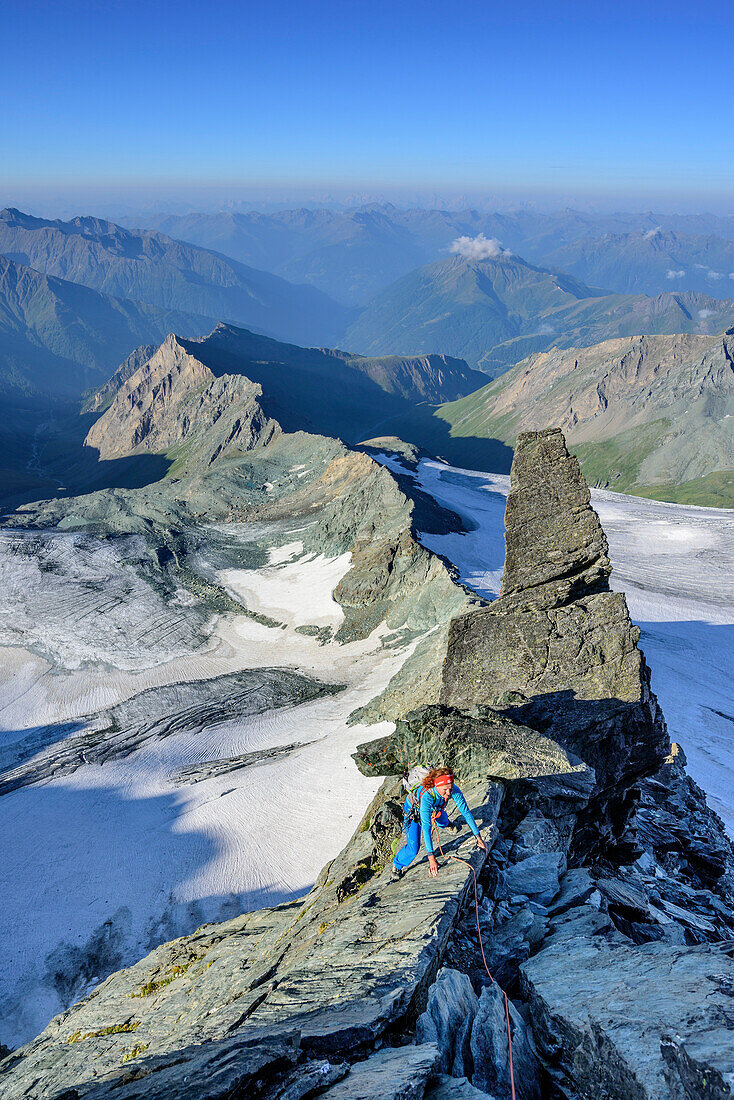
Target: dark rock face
(556,548)
(674,823)
(480,746)
(626,971)
(557,651)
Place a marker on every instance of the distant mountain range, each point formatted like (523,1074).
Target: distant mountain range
(645,262)
(495,311)
(58,338)
(318,390)
(349,256)
(322,391)
(149,267)
(354,254)
(537,235)
(81,298)
(652,415)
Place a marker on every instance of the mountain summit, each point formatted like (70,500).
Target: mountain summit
(187,387)
(495,311)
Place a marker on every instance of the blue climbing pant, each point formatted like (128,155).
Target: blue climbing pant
(410,849)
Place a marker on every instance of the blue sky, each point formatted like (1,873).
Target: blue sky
(592,96)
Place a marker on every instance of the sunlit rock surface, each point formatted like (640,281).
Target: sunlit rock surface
(558,650)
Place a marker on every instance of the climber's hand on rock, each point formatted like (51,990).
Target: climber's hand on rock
(481,844)
(432,865)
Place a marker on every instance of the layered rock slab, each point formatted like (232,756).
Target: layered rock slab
(557,650)
(484,745)
(331,974)
(618,1019)
(399,1073)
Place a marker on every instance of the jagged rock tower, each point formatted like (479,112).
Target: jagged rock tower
(557,650)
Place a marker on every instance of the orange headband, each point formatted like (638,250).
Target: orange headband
(447,777)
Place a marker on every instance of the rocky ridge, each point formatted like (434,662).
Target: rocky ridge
(59,338)
(616,955)
(650,414)
(321,389)
(495,310)
(557,649)
(153,268)
(416,377)
(172,400)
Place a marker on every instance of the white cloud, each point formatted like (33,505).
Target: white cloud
(656,232)
(479,248)
(731,274)
(701,267)
(704,313)
(673,274)
(546,330)
(714,275)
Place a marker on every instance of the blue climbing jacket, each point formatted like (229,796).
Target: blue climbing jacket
(432,802)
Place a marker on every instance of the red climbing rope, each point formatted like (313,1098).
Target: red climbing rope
(458,859)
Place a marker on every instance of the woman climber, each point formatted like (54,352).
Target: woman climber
(425,804)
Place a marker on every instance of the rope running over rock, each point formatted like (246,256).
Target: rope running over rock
(458,859)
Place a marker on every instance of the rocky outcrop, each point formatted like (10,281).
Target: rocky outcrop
(448,1020)
(327,391)
(556,549)
(479,746)
(558,650)
(278,996)
(496,1068)
(173,401)
(471,1035)
(392,580)
(641,412)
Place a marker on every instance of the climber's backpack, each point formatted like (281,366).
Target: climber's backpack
(412,780)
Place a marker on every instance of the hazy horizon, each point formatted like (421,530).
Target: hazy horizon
(112,202)
(123,108)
